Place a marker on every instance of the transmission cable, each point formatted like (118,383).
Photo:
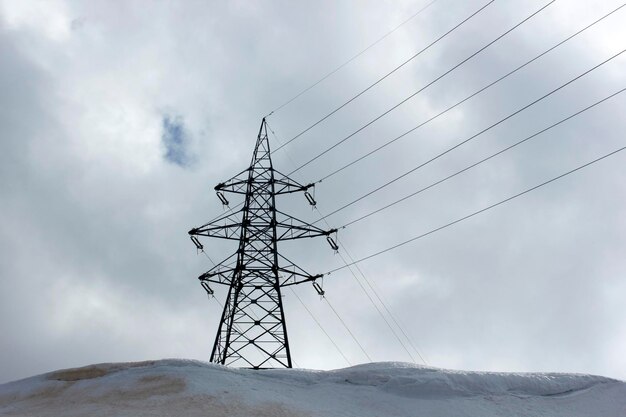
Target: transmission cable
(414,15)
(372,300)
(345,262)
(371,122)
(377,309)
(475,164)
(346,326)
(472,137)
(376,293)
(320,326)
(228,211)
(481,210)
(338,170)
(367,281)
(385,76)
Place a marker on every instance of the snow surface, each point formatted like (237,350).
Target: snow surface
(192,388)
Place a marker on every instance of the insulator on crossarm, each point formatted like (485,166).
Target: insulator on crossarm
(332,243)
(208,289)
(196,242)
(310,199)
(318,288)
(222,198)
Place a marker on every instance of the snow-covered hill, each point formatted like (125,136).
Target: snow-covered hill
(191,388)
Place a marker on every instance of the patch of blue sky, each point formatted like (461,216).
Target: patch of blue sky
(176,141)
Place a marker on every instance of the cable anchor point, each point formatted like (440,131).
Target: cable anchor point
(222,198)
(333,244)
(310,197)
(197,243)
(208,289)
(319,289)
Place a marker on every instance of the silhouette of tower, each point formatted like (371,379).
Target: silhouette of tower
(252,331)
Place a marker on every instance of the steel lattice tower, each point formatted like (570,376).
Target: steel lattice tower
(252,331)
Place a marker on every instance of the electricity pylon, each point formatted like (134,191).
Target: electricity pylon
(252,331)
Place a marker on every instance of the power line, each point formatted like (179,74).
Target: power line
(378,309)
(481,210)
(375,292)
(365,278)
(468,97)
(421,89)
(208,257)
(384,77)
(371,299)
(282,143)
(472,137)
(414,15)
(321,327)
(483,160)
(229,209)
(347,328)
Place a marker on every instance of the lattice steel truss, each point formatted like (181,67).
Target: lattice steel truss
(252,330)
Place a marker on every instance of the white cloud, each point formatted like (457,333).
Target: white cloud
(45,18)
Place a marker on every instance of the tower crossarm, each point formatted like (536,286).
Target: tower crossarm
(237,184)
(292,274)
(222,273)
(225,227)
(287,228)
(223,276)
(282,183)
(291,228)
(285,185)
(289,276)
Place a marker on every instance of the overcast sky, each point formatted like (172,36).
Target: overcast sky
(117,118)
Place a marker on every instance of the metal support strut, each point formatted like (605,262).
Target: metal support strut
(252,331)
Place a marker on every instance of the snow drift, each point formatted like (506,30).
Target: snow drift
(192,388)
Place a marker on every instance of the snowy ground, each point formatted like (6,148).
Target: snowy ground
(191,388)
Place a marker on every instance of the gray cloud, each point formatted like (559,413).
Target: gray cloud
(97,265)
